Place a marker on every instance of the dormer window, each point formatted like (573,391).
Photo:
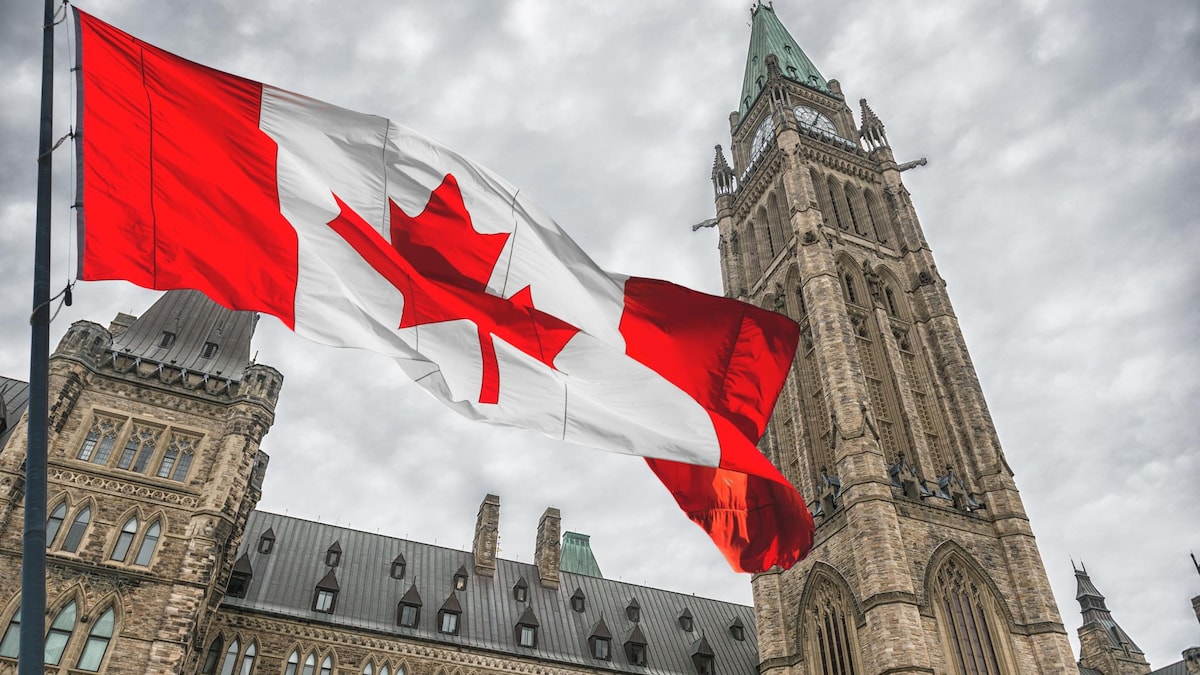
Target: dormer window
(448,616)
(737,630)
(324,601)
(408,612)
(635,647)
(460,579)
(209,350)
(266,543)
(521,590)
(633,611)
(166,339)
(685,620)
(526,629)
(239,578)
(325,594)
(578,601)
(702,658)
(600,642)
(397,571)
(333,556)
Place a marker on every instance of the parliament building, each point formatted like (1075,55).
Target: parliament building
(158,561)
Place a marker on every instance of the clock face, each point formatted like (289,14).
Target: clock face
(809,117)
(762,137)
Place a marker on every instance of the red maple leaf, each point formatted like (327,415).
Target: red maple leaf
(441,265)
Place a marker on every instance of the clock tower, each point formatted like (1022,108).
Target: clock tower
(924,560)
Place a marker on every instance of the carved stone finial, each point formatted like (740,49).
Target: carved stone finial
(872,131)
(722,174)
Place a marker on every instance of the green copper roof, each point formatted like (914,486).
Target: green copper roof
(768,36)
(577,555)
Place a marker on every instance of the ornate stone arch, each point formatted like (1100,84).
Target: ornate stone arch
(974,622)
(752,266)
(821,191)
(779,225)
(851,281)
(898,305)
(769,247)
(827,623)
(879,218)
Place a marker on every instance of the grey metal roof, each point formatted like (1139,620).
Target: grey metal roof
(1094,611)
(284,581)
(1177,668)
(194,320)
(14,398)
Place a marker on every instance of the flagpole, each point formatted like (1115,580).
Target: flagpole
(33,552)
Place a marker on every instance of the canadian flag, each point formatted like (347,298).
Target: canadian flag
(358,232)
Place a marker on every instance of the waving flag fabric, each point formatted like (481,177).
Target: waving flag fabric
(355,231)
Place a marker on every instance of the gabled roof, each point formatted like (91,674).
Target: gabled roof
(768,36)
(194,321)
(242,565)
(368,597)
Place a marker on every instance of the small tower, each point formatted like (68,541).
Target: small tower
(1103,644)
(154,464)
(924,560)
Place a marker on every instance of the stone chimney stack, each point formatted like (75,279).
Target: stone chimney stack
(487,533)
(546,550)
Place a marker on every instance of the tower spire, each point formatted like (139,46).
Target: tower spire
(768,36)
(1100,637)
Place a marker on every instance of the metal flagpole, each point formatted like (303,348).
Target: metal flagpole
(33,552)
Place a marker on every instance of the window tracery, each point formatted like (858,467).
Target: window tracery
(831,639)
(967,620)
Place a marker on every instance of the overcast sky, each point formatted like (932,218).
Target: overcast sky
(1061,201)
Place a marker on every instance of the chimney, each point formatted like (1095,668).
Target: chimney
(487,531)
(546,550)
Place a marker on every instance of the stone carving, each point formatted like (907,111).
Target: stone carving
(112,485)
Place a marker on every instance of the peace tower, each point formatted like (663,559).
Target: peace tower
(924,560)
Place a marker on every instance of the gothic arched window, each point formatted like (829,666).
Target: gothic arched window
(12,636)
(149,542)
(831,643)
(54,522)
(292,662)
(967,621)
(78,527)
(128,532)
(60,633)
(97,642)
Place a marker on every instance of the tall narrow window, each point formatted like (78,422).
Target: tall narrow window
(449,623)
(578,601)
(149,541)
(78,527)
(324,601)
(60,633)
(333,556)
(213,655)
(292,663)
(54,522)
(830,638)
(397,571)
(179,447)
(248,660)
(327,665)
(12,637)
(100,440)
(121,550)
(369,669)
(97,642)
(140,446)
(310,664)
(964,608)
(230,661)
